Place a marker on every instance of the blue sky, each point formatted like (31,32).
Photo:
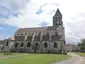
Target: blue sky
(6,31)
(16,14)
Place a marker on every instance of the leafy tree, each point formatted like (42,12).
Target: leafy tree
(82,43)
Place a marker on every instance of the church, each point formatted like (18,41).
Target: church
(39,39)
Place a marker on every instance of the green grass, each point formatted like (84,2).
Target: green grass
(34,59)
(9,54)
(81,54)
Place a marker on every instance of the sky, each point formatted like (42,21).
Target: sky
(16,14)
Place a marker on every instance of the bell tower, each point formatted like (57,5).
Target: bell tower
(57,18)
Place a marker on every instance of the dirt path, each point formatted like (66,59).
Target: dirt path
(76,59)
(83,60)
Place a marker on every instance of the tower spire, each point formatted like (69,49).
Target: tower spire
(57,18)
(58,13)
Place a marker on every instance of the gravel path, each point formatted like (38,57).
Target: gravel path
(76,59)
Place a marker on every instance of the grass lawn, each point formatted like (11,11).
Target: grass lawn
(9,54)
(81,54)
(33,58)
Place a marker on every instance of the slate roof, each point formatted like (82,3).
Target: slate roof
(36,29)
(57,13)
(19,38)
(29,38)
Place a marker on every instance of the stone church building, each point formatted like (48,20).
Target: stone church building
(39,39)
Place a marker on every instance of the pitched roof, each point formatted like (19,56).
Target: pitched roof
(29,38)
(36,29)
(19,38)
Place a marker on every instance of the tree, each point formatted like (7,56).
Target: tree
(82,43)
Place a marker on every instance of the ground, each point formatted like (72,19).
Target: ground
(23,58)
(76,59)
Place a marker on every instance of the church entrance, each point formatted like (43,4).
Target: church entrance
(36,47)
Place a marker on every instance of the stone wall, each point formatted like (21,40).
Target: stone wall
(1,46)
(40,47)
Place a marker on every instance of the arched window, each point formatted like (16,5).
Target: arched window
(45,45)
(36,44)
(28,44)
(7,43)
(21,45)
(16,44)
(55,45)
(1,48)
(21,34)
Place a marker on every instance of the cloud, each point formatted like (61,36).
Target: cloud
(6,13)
(75,28)
(14,4)
(28,17)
